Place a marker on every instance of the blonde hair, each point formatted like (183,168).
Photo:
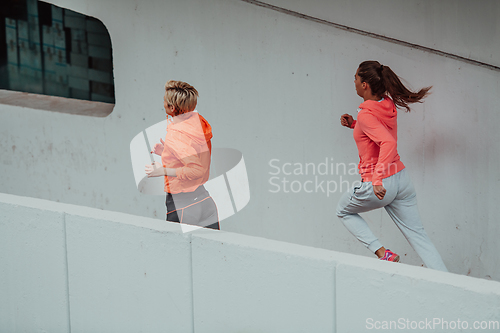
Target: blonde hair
(181,95)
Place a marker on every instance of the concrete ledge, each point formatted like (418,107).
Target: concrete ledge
(33,275)
(56,104)
(70,268)
(372,294)
(247,284)
(128,278)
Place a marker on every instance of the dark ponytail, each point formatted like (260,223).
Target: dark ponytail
(383,80)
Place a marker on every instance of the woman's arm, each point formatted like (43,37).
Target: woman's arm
(193,168)
(158,148)
(378,133)
(178,144)
(195,163)
(156,170)
(347,120)
(379,191)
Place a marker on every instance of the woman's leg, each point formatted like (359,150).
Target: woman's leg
(210,214)
(404,212)
(202,213)
(362,199)
(171,215)
(195,208)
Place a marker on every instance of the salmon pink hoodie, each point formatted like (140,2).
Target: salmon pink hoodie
(375,133)
(187,149)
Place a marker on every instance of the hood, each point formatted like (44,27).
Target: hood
(193,125)
(385,110)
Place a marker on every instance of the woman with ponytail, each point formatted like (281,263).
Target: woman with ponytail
(384,179)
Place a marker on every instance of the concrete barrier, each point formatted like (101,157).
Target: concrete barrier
(67,268)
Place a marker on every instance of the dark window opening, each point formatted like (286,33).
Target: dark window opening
(45,49)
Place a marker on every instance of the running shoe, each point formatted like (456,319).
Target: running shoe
(390,256)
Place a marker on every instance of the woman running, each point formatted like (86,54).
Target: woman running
(384,179)
(185,156)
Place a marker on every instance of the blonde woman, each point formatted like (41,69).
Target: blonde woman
(185,156)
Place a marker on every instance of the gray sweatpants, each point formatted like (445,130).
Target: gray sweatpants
(400,202)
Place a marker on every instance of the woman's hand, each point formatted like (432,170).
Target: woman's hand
(346,120)
(155,170)
(379,191)
(158,148)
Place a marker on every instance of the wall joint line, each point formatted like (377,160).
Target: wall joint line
(373,35)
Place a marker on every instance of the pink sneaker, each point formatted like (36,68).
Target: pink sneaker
(390,256)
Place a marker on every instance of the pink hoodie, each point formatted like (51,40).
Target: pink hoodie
(375,133)
(188,150)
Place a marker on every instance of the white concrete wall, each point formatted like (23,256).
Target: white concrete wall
(469,29)
(71,268)
(273,86)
